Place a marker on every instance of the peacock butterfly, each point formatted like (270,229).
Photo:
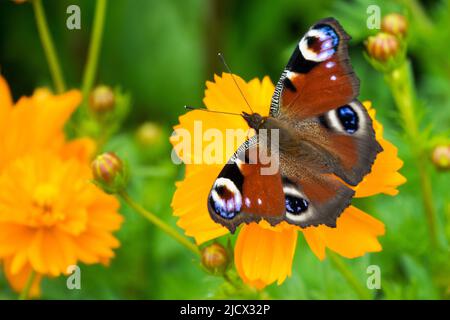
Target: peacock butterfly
(326,142)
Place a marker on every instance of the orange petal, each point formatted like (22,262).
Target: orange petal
(263,256)
(52,112)
(14,238)
(35,253)
(95,248)
(37,123)
(355,234)
(68,254)
(19,280)
(189,203)
(384,177)
(315,240)
(221,95)
(53,253)
(224,95)
(47,254)
(97,217)
(5,108)
(5,99)
(191,138)
(82,149)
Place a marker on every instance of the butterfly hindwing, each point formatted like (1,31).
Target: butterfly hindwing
(348,139)
(319,196)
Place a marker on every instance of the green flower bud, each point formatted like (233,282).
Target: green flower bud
(102,99)
(149,133)
(395,24)
(110,173)
(215,258)
(441,157)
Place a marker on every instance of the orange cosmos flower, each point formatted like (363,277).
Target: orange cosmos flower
(264,254)
(51,215)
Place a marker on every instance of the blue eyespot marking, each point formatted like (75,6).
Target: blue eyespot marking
(329,31)
(225,199)
(319,44)
(348,118)
(295,205)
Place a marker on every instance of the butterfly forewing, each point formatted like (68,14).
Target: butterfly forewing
(318,76)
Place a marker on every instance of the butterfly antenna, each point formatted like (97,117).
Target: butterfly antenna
(212,111)
(234,79)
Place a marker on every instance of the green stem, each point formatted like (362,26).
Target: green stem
(348,276)
(159,223)
(94,48)
(26,290)
(400,81)
(49,48)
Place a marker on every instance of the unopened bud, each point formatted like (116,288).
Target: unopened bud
(102,99)
(110,173)
(382,46)
(441,157)
(215,258)
(149,133)
(395,24)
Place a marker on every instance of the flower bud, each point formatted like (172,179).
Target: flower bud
(382,46)
(215,258)
(19,1)
(149,133)
(441,157)
(110,173)
(102,99)
(395,24)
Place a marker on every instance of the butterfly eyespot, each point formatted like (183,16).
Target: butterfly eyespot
(329,32)
(319,44)
(348,118)
(296,205)
(311,41)
(225,198)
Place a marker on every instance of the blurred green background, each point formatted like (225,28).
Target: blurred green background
(161,52)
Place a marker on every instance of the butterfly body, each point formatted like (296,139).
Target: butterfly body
(317,135)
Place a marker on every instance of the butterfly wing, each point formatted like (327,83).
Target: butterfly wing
(331,142)
(312,197)
(243,193)
(318,76)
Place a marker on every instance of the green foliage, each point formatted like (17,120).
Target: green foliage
(161,53)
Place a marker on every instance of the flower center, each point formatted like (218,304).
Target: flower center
(44,198)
